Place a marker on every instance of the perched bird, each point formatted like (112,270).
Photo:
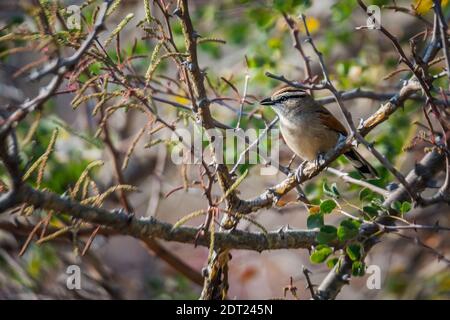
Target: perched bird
(310,130)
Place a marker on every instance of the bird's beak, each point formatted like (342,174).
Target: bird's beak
(266,102)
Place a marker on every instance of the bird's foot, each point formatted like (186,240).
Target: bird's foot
(299,172)
(341,139)
(320,160)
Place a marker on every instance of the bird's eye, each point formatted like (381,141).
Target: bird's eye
(283,99)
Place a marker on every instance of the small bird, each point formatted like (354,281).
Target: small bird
(310,130)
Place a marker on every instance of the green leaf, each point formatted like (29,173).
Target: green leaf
(320,253)
(348,229)
(397,206)
(326,234)
(354,251)
(327,206)
(332,262)
(373,212)
(358,269)
(406,207)
(331,191)
(378,204)
(366,195)
(314,221)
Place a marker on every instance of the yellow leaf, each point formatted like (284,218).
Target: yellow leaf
(312,23)
(182,100)
(423,6)
(314,209)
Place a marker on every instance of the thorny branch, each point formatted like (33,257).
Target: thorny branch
(340,275)
(59,67)
(150,228)
(427,168)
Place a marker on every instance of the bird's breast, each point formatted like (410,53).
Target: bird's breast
(307,137)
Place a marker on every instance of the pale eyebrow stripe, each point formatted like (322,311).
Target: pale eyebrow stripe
(286,90)
(290,96)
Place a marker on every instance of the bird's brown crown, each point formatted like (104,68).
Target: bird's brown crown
(288,92)
(286,97)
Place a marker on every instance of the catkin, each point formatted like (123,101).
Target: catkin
(119,28)
(153,59)
(84,175)
(188,217)
(42,160)
(113,7)
(131,148)
(148,11)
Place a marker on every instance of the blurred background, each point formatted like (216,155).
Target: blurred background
(257,40)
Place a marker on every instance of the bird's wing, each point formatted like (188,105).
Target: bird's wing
(330,121)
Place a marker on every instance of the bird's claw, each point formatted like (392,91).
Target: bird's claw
(320,160)
(299,172)
(275,196)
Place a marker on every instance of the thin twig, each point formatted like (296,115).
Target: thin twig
(346,177)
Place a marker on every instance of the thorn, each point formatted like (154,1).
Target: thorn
(118,211)
(394,100)
(346,278)
(280,230)
(177,12)
(361,123)
(65,196)
(130,217)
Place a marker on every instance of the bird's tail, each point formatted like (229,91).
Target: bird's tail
(361,165)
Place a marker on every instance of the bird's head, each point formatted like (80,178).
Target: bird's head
(288,100)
